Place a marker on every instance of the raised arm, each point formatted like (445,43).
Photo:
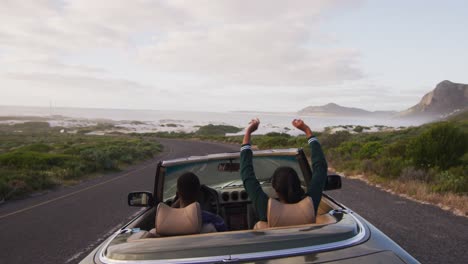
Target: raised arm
(319,164)
(251,185)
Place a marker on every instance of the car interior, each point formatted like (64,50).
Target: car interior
(235,207)
(229,200)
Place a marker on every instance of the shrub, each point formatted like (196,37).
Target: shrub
(38,147)
(97,159)
(370,150)
(350,166)
(367,165)
(38,180)
(454,180)
(389,167)
(32,126)
(32,160)
(334,140)
(217,130)
(442,145)
(276,134)
(268,142)
(349,149)
(413,174)
(358,129)
(396,149)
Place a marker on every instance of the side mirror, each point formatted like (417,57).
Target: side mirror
(333,182)
(140,199)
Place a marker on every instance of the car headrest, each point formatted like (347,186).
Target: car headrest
(178,221)
(282,214)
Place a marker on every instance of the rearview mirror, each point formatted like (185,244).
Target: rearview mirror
(230,167)
(333,182)
(140,199)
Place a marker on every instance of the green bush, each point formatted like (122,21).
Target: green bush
(442,145)
(38,147)
(35,126)
(32,160)
(14,183)
(350,166)
(97,159)
(389,167)
(370,150)
(268,142)
(411,173)
(396,149)
(358,129)
(349,149)
(334,140)
(212,130)
(453,180)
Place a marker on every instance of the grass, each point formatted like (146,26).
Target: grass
(40,157)
(428,163)
(418,191)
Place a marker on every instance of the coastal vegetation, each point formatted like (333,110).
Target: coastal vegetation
(216,130)
(428,162)
(36,157)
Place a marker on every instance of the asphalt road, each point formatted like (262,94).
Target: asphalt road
(428,233)
(64,225)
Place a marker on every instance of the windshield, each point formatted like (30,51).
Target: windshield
(214,173)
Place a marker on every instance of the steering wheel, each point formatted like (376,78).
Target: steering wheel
(207,197)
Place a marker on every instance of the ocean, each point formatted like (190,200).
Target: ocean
(188,121)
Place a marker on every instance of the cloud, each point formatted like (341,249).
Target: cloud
(80,83)
(75,90)
(205,49)
(266,43)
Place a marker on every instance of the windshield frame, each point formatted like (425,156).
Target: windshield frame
(298,153)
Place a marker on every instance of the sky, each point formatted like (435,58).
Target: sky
(236,55)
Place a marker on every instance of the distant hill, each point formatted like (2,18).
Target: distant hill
(458,116)
(447,98)
(333,109)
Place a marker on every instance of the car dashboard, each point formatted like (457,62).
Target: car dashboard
(236,208)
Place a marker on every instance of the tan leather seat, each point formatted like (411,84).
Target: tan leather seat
(325,219)
(282,214)
(180,221)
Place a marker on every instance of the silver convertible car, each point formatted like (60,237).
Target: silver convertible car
(163,233)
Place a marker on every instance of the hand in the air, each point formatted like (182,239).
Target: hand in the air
(253,126)
(299,124)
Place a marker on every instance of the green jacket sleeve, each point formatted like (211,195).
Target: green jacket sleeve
(251,185)
(319,172)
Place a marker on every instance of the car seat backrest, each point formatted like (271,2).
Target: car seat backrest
(178,221)
(282,214)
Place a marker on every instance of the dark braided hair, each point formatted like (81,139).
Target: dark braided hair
(286,183)
(188,187)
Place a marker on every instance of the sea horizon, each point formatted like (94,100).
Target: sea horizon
(272,121)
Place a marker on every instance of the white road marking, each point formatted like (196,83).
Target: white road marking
(80,191)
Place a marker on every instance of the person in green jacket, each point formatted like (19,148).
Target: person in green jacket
(285,180)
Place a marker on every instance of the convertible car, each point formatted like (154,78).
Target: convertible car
(163,233)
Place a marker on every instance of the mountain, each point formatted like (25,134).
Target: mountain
(447,98)
(333,109)
(458,116)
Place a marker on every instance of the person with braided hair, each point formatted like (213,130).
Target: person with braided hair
(285,180)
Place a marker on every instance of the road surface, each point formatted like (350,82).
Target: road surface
(64,225)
